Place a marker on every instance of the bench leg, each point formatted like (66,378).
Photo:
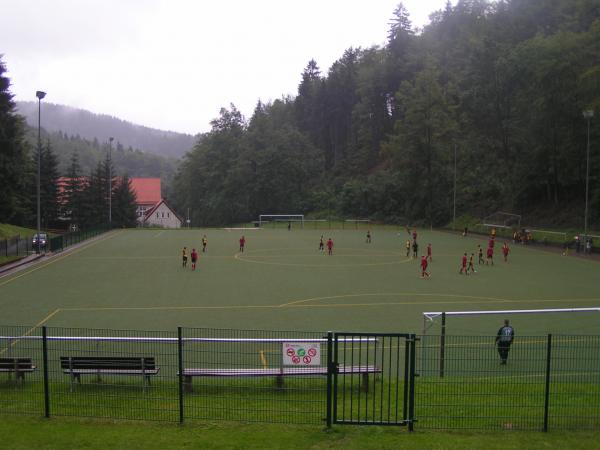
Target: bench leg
(187,384)
(365,382)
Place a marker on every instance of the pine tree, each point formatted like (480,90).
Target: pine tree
(48,186)
(124,204)
(73,194)
(13,156)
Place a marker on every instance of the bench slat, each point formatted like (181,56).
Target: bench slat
(274,371)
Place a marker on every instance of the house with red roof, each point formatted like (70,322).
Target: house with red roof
(147,195)
(151,209)
(162,215)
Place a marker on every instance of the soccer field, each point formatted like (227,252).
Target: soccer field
(133,279)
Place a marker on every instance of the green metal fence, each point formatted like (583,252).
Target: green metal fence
(549,382)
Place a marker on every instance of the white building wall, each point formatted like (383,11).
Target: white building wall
(164,217)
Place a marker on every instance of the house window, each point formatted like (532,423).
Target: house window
(167,215)
(157,215)
(163,215)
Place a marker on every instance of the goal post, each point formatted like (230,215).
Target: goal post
(502,219)
(438,320)
(471,324)
(275,218)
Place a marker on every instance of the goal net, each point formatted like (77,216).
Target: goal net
(281,219)
(502,219)
(525,321)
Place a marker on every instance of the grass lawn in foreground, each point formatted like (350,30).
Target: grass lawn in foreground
(26,433)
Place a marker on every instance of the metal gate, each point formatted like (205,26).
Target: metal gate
(373,379)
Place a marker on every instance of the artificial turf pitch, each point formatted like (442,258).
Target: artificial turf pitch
(133,279)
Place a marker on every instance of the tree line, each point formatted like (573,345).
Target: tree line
(82,201)
(497,87)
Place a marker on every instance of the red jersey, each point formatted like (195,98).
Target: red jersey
(505,250)
(414,235)
(491,243)
(464,261)
(424,263)
(242,241)
(194,255)
(429,250)
(329,244)
(490,252)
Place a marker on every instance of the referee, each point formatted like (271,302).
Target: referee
(504,339)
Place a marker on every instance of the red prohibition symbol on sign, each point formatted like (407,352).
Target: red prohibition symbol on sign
(306,359)
(290,352)
(312,352)
(295,359)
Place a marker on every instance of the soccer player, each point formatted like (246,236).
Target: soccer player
(407,247)
(368,236)
(480,252)
(194,256)
(424,267)
(490,256)
(321,244)
(491,242)
(463,264)
(415,247)
(204,243)
(242,244)
(184,257)
(471,266)
(429,257)
(414,235)
(504,339)
(505,251)
(329,246)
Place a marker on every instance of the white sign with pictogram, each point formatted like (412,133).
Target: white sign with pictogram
(301,354)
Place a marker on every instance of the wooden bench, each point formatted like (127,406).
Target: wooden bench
(75,366)
(18,366)
(278,372)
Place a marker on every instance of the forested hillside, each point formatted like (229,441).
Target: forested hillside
(503,84)
(90,152)
(90,126)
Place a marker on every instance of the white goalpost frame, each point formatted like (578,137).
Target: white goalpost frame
(281,218)
(489,223)
(432,315)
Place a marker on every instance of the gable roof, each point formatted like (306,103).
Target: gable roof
(146,190)
(149,213)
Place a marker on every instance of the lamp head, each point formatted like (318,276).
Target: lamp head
(110,139)
(588,114)
(40,94)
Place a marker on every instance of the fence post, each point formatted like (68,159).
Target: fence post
(330,369)
(443,345)
(180,371)
(411,400)
(547,389)
(46,384)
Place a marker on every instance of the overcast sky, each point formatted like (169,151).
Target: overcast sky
(172,64)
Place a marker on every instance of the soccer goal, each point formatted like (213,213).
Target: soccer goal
(275,219)
(528,321)
(502,219)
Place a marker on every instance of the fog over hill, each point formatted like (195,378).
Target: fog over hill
(89,125)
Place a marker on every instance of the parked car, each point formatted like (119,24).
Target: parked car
(43,240)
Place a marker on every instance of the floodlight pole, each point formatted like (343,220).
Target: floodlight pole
(40,95)
(110,141)
(588,114)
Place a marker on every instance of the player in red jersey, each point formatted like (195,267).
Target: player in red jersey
(505,251)
(490,256)
(194,256)
(424,263)
(429,257)
(414,235)
(330,246)
(242,243)
(491,242)
(463,266)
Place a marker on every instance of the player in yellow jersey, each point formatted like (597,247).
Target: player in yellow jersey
(184,257)
(204,243)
